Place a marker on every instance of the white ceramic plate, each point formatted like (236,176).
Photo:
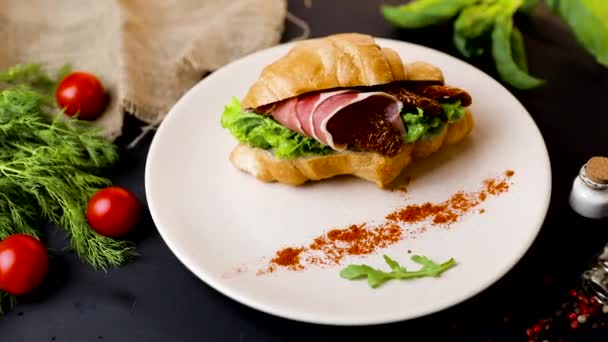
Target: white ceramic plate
(216,218)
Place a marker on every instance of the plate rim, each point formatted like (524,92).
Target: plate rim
(307,317)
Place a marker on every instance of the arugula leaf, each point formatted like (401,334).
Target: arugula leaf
(588,19)
(265,133)
(423,13)
(394,265)
(376,277)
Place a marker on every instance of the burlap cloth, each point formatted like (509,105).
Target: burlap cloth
(146,52)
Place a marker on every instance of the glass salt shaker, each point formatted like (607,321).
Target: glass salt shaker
(595,279)
(589,195)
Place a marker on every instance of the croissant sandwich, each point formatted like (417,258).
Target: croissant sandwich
(342,105)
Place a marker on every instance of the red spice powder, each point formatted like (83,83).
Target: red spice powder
(451,210)
(483,196)
(288,257)
(333,246)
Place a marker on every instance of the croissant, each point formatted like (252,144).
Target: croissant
(338,61)
(349,94)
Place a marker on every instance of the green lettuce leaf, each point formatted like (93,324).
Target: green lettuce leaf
(263,132)
(419,125)
(453,111)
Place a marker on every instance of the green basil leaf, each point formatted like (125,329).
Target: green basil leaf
(553,5)
(465,47)
(473,26)
(506,65)
(422,13)
(529,6)
(588,19)
(476,20)
(518,49)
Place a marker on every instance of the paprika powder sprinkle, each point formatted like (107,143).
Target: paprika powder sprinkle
(451,210)
(333,246)
(288,257)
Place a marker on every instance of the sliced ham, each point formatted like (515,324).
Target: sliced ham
(311,114)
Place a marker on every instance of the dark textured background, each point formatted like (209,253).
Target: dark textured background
(157,299)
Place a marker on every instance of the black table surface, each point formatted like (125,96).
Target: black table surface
(156,298)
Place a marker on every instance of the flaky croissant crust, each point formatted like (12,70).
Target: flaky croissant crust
(336,61)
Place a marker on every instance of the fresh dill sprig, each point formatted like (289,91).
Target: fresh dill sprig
(50,166)
(32,75)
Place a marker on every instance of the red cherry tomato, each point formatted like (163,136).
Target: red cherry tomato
(24,262)
(113,211)
(81,93)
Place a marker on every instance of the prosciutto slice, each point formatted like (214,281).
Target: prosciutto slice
(337,118)
(283,113)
